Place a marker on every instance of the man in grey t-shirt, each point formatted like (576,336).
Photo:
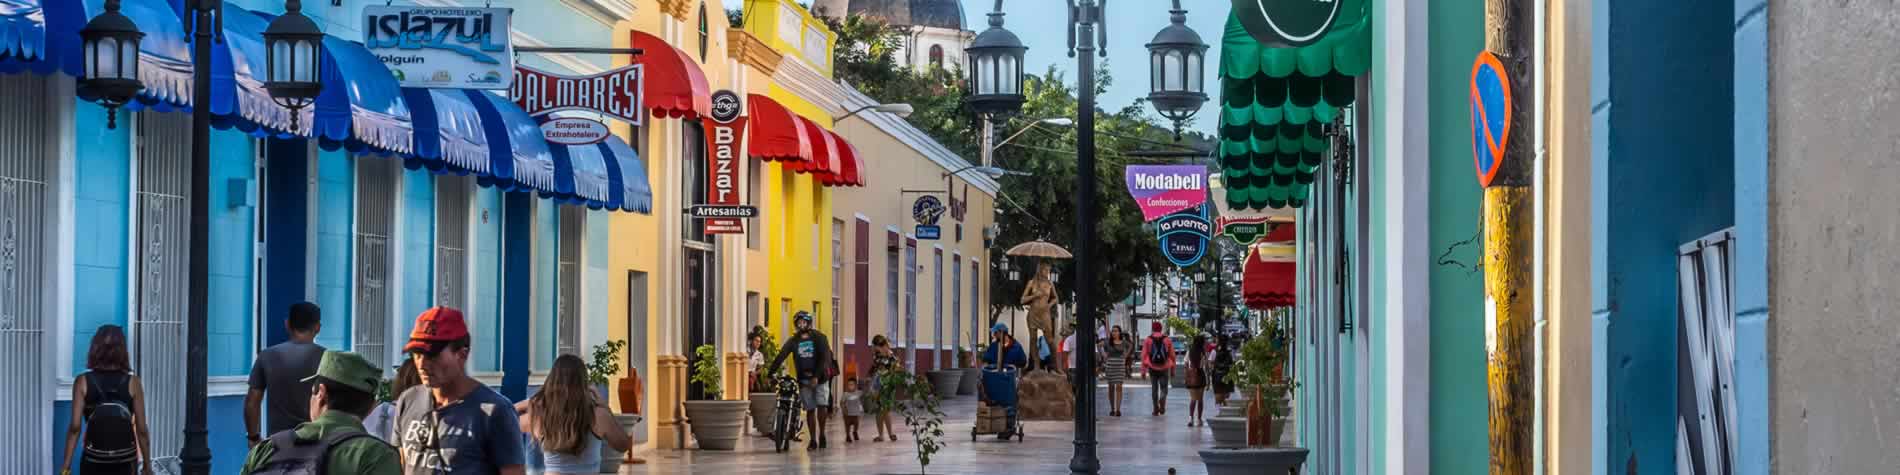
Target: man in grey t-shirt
(278,375)
(453,423)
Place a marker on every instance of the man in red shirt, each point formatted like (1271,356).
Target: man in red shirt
(1157,357)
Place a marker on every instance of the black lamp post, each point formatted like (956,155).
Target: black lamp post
(112,61)
(112,48)
(996,90)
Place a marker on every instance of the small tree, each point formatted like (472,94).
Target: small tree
(921,411)
(606,362)
(706,370)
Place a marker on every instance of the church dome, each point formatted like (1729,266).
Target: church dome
(946,14)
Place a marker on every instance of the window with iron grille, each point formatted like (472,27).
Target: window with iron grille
(892,284)
(375,223)
(693,163)
(837,280)
(703,33)
(25,153)
(451,241)
(936,302)
(976,304)
(163,237)
(910,305)
(567,305)
(956,302)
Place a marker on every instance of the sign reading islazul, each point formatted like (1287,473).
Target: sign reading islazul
(442,47)
(725,129)
(1163,189)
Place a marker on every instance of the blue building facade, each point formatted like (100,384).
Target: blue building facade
(370,226)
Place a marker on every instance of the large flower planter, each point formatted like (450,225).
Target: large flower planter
(716,424)
(971,376)
(1228,431)
(1252,460)
(764,406)
(945,382)
(610,459)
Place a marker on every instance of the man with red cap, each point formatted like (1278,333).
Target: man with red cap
(452,423)
(1157,356)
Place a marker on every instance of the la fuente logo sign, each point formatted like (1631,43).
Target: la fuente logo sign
(1287,23)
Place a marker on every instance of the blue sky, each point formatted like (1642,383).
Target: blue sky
(1131,23)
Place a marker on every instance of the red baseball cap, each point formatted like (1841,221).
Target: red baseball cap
(434,328)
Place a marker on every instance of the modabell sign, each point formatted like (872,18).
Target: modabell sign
(1163,189)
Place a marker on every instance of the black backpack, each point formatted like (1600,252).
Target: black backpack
(292,456)
(109,438)
(1158,349)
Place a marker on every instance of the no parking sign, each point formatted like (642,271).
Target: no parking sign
(1491,110)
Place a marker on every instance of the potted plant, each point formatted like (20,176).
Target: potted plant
(716,423)
(913,397)
(763,399)
(1255,374)
(605,365)
(972,372)
(945,382)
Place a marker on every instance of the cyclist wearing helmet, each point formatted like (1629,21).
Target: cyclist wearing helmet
(811,356)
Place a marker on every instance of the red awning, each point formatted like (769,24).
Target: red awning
(777,134)
(852,164)
(1267,284)
(822,160)
(1282,232)
(674,86)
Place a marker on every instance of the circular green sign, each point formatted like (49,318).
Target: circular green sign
(1287,23)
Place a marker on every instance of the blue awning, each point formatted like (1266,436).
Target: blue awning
(514,137)
(449,135)
(367,112)
(628,188)
(237,79)
(41,36)
(164,53)
(584,168)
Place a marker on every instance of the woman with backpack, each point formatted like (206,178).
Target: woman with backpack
(567,422)
(109,403)
(1223,363)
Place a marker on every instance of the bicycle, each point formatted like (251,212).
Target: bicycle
(785,423)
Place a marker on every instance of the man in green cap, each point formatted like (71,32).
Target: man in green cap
(341,393)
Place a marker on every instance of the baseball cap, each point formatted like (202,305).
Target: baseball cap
(435,328)
(1000,327)
(348,369)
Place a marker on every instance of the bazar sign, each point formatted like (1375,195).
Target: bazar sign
(574,131)
(1184,235)
(726,129)
(615,93)
(1163,189)
(1286,23)
(442,47)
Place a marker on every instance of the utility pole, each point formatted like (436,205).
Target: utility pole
(1507,245)
(1085,16)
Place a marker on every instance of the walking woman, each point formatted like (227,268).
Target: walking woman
(1223,362)
(382,420)
(883,360)
(110,405)
(1115,355)
(567,421)
(1196,378)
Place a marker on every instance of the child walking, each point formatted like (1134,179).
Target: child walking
(853,409)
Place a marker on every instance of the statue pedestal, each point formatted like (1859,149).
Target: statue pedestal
(1045,396)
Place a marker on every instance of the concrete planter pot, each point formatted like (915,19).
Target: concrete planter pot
(610,459)
(1229,431)
(716,424)
(971,377)
(763,407)
(945,382)
(1252,460)
(1235,407)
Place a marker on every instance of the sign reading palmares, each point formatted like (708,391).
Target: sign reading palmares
(442,47)
(1163,189)
(615,93)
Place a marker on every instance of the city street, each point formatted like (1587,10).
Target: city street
(1135,443)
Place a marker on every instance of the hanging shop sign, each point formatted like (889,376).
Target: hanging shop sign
(927,210)
(1491,110)
(1184,235)
(1243,232)
(725,130)
(574,131)
(1163,189)
(442,47)
(615,93)
(1287,23)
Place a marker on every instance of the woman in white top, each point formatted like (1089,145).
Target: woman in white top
(381,421)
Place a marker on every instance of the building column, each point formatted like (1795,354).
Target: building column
(517,291)
(669,383)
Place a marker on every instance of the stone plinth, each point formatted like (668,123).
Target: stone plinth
(1045,396)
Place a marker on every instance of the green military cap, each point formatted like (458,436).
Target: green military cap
(348,369)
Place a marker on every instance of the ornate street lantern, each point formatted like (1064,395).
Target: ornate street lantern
(294,54)
(996,72)
(112,60)
(1175,64)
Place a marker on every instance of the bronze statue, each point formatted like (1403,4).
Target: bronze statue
(1040,296)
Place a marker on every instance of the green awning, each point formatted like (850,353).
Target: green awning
(1274,102)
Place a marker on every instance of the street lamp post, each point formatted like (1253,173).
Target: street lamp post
(294,46)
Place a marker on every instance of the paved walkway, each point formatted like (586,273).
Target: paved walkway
(1135,443)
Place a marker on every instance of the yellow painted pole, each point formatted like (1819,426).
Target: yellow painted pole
(1508,229)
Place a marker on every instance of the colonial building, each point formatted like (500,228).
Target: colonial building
(935,31)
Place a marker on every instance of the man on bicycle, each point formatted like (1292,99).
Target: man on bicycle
(812,358)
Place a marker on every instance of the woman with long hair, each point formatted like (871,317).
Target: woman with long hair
(1223,363)
(110,396)
(1196,377)
(567,421)
(380,420)
(883,360)
(1116,352)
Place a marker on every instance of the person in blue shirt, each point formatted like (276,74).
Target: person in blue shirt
(1004,351)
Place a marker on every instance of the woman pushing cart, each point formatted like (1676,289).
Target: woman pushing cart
(1003,361)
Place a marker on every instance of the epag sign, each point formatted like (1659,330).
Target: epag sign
(1184,235)
(442,47)
(725,129)
(1491,110)
(1162,189)
(615,93)
(1287,23)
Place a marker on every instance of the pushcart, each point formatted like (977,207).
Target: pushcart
(999,397)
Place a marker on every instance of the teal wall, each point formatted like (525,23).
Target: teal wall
(336,207)
(547,229)
(1459,443)
(485,295)
(232,259)
(1377,174)
(418,245)
(101,206)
